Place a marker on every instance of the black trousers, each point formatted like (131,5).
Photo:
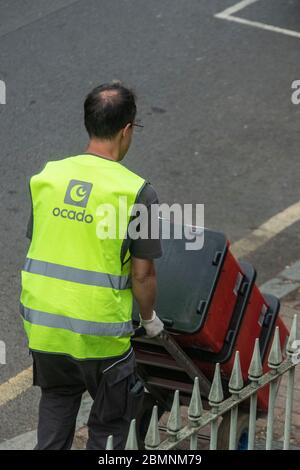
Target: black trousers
(113,384)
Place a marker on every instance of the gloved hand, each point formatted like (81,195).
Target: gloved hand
(153,327)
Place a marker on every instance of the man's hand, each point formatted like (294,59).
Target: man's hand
(153,327)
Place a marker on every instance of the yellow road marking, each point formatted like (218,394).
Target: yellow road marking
(267,230)
(15,386)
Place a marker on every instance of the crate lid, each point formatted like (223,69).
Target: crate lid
(186,277)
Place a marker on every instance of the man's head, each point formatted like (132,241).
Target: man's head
(109,113)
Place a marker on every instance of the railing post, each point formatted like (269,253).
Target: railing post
(174,421)
(131,443)
(152,439)
(215,397)
(290,386)
(252,421)
(274,361)
(235,386)
(195,411)
(110,443)
(255,372)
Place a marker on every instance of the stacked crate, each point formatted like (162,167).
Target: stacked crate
(209,301)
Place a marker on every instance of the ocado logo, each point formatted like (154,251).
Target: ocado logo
(73,215)
(78,193)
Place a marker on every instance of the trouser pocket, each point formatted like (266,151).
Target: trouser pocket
(135,396)
(112,403)
(120,392)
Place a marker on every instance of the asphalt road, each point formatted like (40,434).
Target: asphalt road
(214,97)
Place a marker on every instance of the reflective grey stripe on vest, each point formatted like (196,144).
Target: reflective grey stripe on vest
(83,327)
(82,276)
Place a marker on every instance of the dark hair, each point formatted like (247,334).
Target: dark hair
(107,109)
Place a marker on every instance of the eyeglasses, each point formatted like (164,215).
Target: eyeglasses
(139,126)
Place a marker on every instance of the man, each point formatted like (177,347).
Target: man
(77,286)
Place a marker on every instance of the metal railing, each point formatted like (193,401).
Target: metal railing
(198,418)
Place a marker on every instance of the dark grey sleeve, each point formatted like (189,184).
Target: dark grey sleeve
(30,220)
(30,225)
(149,248)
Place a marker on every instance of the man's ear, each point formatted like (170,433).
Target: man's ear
(126,129)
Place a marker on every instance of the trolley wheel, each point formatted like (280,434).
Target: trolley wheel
(144,417)
(242,431)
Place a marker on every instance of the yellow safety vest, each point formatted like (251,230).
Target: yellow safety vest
(76,297)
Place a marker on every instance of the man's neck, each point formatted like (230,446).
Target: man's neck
(105,149)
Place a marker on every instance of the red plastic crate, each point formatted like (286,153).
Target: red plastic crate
(255,316)
(197,290)
(214,328)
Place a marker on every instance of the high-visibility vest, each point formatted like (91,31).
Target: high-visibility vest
(76,297)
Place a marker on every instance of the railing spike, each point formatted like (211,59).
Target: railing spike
(255,369)
(152,439)
(275,356)
(216,394)
(293,337)
(174,421)
(195,409)
(236,382)
(131,443)
(110,443)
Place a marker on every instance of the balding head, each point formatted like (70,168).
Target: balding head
(108,108)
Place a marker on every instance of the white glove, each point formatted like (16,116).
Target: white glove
(153,327)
